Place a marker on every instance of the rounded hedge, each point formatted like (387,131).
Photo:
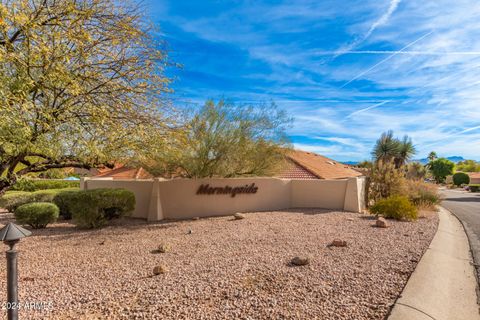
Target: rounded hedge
(95,208)
(31,185)
(13,199)
(460,178)
(396,207)
(37,214)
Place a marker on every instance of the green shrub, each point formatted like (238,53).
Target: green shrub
(64,199)
(13,199)
(35,185)
(460,178)
(474,187)
(37,214)
(94,208)
(422,195)
(396,207)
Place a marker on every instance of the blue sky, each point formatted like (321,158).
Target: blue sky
(345,70)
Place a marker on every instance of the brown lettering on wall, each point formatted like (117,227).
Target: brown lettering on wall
(227,190)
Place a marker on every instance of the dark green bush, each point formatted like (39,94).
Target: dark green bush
(396,207)
(37,214)
(474,187)
(64,199)
(460,178)
(35,185)
(13,199)
(94,208)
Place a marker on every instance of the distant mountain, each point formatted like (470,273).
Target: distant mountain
(455,159)
(350,163)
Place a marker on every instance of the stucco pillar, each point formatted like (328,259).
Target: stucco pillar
(84,183)
(352,196)
(155,211)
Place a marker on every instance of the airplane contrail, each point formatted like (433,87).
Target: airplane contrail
(368,108)
(386,59)
(414,53)
(381,21)
(453,135)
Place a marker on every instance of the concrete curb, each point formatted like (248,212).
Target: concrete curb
(443,286)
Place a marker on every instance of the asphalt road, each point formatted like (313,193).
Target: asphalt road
(466,206)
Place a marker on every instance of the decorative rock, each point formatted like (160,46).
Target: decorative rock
(196,218)
(350,219)
(381,223)
(189,231)
(239,216)
(338,243)
(300,261)
(160,269)
(164,247)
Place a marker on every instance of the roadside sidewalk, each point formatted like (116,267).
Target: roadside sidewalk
(443,286)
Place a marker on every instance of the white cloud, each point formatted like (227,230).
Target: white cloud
(422,57)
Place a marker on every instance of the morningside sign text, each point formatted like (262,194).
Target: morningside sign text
(227,190)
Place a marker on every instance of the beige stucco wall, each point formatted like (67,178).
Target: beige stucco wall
(159,199)
(141,188)
(328,194)
(179,198)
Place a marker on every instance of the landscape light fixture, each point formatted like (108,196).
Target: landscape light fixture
(11,235)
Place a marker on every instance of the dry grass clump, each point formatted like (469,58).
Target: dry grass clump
(423,195)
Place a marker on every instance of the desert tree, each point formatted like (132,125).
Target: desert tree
(224,139)
(81,82)
(441,168)
(468,166)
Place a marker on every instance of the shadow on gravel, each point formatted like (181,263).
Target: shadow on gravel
(368,217)
(63,229)
(307,211)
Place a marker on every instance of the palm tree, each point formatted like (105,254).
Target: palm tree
(406,150)
(432,156)
(386,148)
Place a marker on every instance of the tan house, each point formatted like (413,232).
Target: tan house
(474,177)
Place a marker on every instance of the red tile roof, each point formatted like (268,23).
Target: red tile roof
(125,173)
(300,165)
(293,170)
(321,167)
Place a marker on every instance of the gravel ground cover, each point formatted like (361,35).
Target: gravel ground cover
(220,268)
